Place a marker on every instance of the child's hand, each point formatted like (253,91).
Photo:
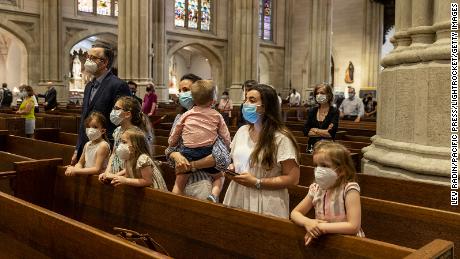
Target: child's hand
(313,229)
(69,171)
(104,178)
(118,180)
(308,239)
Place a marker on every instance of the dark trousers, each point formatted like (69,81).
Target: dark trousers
(194,154)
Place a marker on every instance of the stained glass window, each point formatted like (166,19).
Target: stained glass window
(193,14)
(180,13)
(99,7)
(103,7)
(85,6)
(266,18)
(205,15)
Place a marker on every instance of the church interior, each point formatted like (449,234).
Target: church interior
(330,125)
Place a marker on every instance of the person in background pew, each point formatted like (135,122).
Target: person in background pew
(133,88)
(149,106)
(334,195)
(352,108)
(96,151)
(225,107)
(199,128)
(126,114)
(26,109)
(265,157)
(139,170)
(323,120)
(199,183)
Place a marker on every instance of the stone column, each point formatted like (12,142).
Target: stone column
(319,44)
(372,44)
(403,20)
(243,44)
(135,42)
(51,41)
(412,140)
(158,55)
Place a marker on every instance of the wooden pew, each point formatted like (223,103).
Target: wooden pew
(192,228)
(161,133)
(36,149)
(7,160)
(56,136)
(13,123)
(28,231)
(161,141)
(397,190)
(399,212)
(66,123)
(7,170)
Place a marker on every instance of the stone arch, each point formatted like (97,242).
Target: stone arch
(14,61)
(31,45)
(214,57)
(79,36)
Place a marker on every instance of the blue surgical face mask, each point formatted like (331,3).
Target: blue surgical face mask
(250,113)
(186,100)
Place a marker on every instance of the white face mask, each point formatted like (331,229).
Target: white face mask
(90,67)
(321,98)
(123,151)
(93,133)
(325,177)
(22,94)
(115,117)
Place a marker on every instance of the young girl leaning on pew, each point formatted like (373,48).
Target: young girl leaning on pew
(334,195)
(96,152)
(139,171)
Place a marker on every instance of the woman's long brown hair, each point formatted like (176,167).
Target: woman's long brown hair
(271,123)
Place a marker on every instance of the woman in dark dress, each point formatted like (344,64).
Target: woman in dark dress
(323,120)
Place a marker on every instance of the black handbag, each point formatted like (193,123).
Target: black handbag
(141,239)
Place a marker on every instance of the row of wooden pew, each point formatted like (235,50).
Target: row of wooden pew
(179,222)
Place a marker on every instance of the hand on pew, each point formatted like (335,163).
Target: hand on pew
(105,178)
(118,180)
(69,171)
(313,227)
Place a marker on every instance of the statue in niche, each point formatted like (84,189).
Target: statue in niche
(349,73)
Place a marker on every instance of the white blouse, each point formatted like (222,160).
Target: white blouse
(269,202)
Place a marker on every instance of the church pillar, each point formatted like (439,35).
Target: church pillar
(403,20)
(158,55)
(372,44)
(135,42)
(51,55)
(412,140)
(319,43)
(243,45)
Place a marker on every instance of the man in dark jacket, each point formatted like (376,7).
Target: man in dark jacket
(100,93)
(50,97)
